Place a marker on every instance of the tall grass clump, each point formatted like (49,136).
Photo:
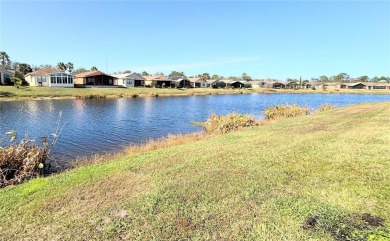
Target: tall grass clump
(218,124)
(285,111)
(325,107)
(23,160)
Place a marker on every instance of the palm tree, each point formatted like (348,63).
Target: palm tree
(5,61)
(62,66)
(70,67)
(94,68)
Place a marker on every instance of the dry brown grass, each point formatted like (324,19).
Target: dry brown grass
(150,145)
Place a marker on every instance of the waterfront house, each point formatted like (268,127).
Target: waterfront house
(5,77)
(257,84)
(93,79)
(180,82)
(353,86)
(128,80)
(278,85)
(235,83)
(49,77)
(158,81)
(198,82)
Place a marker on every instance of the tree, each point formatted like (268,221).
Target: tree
(204,76)
(323,78)
(215,76)
(363,78)
(69,67)
(5,61)
(145,73)
(246,77)
(61,66)
(176,74)
(375,79)
(94,68)
(127,72)
(79,70)
(23,68)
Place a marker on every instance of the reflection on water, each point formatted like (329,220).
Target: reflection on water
(96,126)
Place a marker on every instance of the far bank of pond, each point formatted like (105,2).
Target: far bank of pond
(11,93)
(92,126)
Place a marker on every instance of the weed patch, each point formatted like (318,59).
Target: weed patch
(218,124)
(348,226)
(285,111)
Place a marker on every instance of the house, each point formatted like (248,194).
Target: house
(180,82)
(353,86)
(159,81)
(198,82)
(49,77)
(291,85)
(257,84)
(93,79)
(278,85)
(235,83)
(213,83)
(128,80)
(5,77)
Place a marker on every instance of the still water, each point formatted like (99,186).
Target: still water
(103,125)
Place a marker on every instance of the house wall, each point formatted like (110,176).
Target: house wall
(79,81)
(32,80)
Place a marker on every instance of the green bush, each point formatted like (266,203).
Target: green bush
(218,124)
(285,111)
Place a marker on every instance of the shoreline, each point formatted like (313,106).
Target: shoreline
(140,93)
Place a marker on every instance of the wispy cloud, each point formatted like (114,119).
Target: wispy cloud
(188,66)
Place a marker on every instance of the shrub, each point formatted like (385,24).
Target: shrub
(285,111)
(218,124)
(325,107)
(20,161)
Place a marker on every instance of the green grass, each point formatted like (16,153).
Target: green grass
(26,92)
(261,183)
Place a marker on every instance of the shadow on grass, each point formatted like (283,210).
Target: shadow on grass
(6,94)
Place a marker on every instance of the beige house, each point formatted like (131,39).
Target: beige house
(197,82)
(93,79)
(128,80)
(49,77)
(157,81)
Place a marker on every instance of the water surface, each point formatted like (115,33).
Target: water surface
(102,125)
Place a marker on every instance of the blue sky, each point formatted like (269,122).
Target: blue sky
(264,39)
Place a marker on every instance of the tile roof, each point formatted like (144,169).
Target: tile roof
(46,71)
(155,77)
(90,73)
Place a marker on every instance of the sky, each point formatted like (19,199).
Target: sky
(278,39)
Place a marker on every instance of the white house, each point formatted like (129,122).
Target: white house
(129,80)
(49,77)
(5,77)
(198,82)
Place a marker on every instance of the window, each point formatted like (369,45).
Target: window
(129,82)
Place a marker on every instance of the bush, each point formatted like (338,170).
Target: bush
(285,111)
(20,161)
(325,107)
(218,124)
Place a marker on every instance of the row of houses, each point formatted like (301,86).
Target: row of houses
(58,78)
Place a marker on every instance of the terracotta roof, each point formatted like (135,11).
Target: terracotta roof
(155,77)
(45,71)
(90,73)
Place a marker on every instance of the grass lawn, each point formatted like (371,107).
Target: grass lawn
(11,92)
(260,183)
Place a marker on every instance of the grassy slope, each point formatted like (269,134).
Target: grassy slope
(259,183)
(11,92)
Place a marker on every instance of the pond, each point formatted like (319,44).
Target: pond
(104,125)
